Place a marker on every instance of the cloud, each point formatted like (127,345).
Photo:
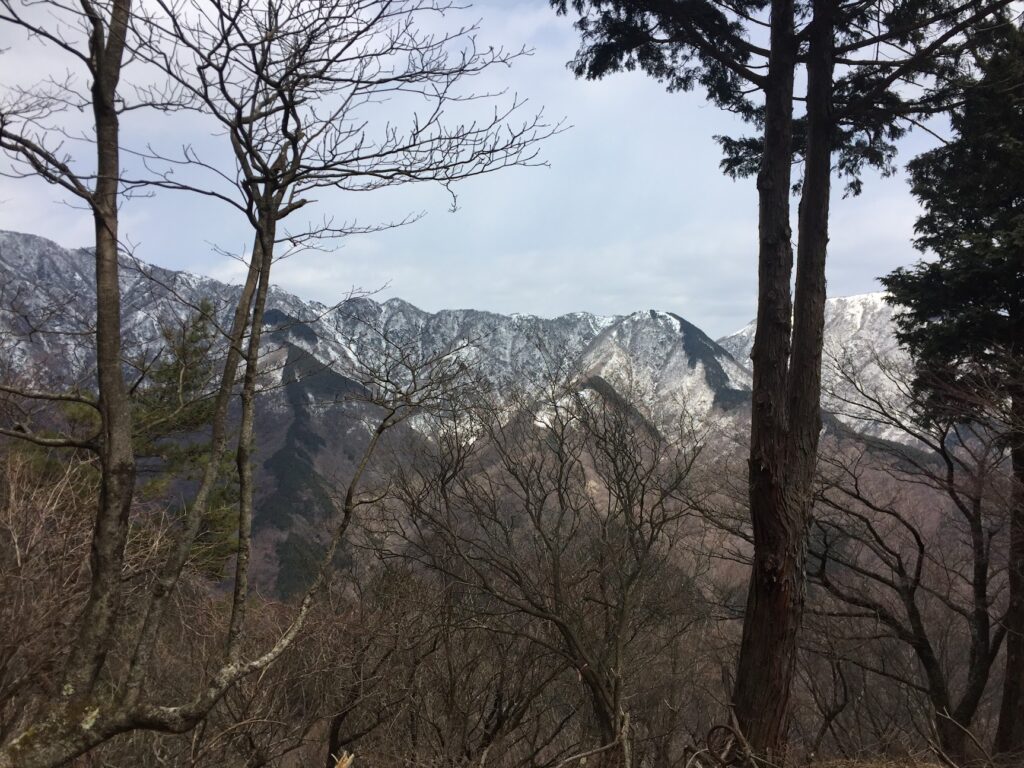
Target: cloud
(631,213)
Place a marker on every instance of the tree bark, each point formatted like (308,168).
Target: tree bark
(1010,731)
(786,418)
(951,737)
(760,698)
(244,453)
(117,459)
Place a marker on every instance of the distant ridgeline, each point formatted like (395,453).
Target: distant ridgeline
(311,423)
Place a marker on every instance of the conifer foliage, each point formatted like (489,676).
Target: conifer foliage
(962,314)
(867,68)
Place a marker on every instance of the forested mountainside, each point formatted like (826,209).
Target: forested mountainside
(317,358)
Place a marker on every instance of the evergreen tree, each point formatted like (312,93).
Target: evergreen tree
(863,66)
(962,315)
(173,408)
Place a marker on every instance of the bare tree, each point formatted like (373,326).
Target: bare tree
(905,548)
(97,41)
(285,143)
(288,83)
(394,390)
(44,536)
(562,513)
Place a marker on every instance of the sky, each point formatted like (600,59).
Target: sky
(630,212)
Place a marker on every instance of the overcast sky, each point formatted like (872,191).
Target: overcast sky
(632,212)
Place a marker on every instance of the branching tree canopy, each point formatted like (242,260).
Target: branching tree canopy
(888,59)
(907,542)
(287,84)
(869,69)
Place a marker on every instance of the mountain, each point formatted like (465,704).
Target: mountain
(859,323)
(860,354)
(667,364)
(311,430)
(48,296)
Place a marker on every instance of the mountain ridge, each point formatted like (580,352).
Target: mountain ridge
(658,362)
(505,347)
(664,360)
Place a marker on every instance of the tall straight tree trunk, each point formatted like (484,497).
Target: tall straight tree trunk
(70,727)
(760,699)
(786,419)
(244,453)
(804,376)
(117,459)
(1010,732)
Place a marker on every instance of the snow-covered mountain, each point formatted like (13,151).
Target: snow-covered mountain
(310,432)
(859,323)
(667,364)
(662,364)
(860,354)
(657,359)
(48,296)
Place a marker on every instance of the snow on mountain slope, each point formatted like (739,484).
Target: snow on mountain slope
(311,431)
(860,343)
(864,321)
(669,361)
(657,358)
(506,349)
(667,365)
(47,304)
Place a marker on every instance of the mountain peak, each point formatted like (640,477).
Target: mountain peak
(670,351)
(861,314)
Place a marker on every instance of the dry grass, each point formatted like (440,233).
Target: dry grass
(877,763)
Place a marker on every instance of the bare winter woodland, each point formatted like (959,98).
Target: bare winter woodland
(531,573)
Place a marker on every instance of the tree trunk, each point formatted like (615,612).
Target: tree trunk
(55,741)
(762,685)
(244,453)
(952,738)
(117,459)
(786,417)
(75,722)
(1010,732)
(951,724)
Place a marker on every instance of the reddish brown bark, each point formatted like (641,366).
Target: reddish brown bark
(786,417)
